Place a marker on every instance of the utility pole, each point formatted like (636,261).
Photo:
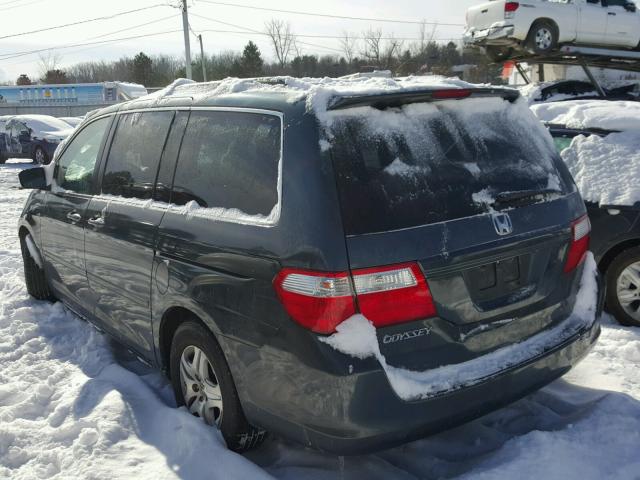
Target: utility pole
(187,46)
(204,69)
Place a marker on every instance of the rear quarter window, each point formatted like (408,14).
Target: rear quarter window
(229,160)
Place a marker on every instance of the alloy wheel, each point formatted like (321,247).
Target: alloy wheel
(544,38)
(39,156)
(200,387)
(628,290)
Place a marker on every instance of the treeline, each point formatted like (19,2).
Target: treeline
(371,51)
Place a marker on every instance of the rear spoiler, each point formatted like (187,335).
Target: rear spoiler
(398,99)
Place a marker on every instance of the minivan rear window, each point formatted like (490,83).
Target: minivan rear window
(426,163)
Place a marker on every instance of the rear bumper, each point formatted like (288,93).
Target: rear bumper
(496,35)
(360,413)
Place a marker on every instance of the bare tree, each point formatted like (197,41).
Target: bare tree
(427,36)
(372,46)
(390,52)
(349,44)
(283,40)
(382,52)
(48,62)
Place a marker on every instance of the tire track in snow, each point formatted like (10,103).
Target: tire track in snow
(72,407)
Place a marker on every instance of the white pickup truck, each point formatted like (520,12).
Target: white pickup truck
(541,26)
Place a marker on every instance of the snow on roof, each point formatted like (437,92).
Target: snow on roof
(318,92)
(603,114)
(606,169)
(43,124)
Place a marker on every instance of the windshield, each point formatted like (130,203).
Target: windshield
(433,162)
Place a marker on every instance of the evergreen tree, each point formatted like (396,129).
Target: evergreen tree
(142,69)
(251,62)
(55,76)
(23,80)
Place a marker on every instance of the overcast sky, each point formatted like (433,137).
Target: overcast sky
(25,15)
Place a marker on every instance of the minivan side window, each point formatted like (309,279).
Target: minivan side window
(76,165)
(135,154)
(229,160)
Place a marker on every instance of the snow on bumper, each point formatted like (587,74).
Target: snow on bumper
(357,337)
(496,34)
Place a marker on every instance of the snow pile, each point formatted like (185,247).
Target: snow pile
(357,337)
(583,114)
(318,92)
(485,198)
(606,169)
(532,92)
(69,410)
(73,407)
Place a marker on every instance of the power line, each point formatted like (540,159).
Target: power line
(251,31)
(336,37)
(62,47)
(108,17)
(20,6)
(134,27)
(312,14)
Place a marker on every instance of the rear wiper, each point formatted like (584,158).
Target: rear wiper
(525,197)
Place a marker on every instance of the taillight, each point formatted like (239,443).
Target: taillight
(388,295)
(317,301)
(580,230)
(510,9)
(452,93)
(395,294)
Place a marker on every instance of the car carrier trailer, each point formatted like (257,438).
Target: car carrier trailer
(585,57)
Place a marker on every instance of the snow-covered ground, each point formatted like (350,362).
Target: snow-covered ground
(74,406)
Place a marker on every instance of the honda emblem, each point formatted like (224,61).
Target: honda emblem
(502,224)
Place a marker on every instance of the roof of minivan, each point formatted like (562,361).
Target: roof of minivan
(318,94)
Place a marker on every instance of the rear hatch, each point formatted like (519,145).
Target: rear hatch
(471,191)
(483,16)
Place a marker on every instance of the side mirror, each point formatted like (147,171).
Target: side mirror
(631,7)
(33,178)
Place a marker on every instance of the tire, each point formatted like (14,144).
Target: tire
(40,156)
(34,276)
(623,281)
(227,414)
(543,37)
(2,160)
(498,54)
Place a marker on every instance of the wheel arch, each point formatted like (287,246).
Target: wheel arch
(544,19)
(23,231)
(170,321)
(614,250)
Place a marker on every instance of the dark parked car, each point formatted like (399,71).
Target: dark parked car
(32,136)
(579,89)
(615,241)
(225,237)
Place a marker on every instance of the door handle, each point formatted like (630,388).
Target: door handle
(613,14)
(96,221)
(74,216)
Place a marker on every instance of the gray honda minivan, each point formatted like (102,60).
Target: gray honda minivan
(226,235)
